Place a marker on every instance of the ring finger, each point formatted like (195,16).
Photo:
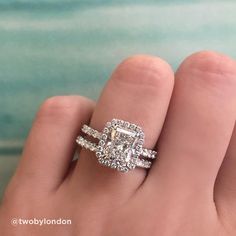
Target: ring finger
(139,92)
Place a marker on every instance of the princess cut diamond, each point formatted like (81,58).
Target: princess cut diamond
(121,145)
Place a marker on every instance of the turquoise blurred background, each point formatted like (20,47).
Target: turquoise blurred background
(58,47)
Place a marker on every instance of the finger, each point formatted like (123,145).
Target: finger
(51,143)
(198,126)
(225,188)
(138,92)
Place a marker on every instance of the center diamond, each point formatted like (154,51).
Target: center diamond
(120,145)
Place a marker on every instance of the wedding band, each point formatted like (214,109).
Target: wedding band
(120,145)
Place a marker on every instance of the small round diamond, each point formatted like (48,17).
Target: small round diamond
(106,130)
(98,154)
(114,122)
(138,129)
(108,124)
(153,155)
(113,165)
(101,143)
(140,142)
(141,135)
(104,137)
(107,163)
(127,124)
(138,147)
(119,122)
(132,126)
(101,160)
(120,168)
(131,165)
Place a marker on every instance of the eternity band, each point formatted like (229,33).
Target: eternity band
(120,145)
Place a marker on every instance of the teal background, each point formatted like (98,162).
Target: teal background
(55,47)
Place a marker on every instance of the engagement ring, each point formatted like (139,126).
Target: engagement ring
(120,145)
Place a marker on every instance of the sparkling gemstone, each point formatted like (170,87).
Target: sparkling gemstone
(104,137)
(122,145)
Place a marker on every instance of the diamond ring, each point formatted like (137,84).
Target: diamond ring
(120,145)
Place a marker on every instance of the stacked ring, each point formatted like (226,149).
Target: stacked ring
(120,145)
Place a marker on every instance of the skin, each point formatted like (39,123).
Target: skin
(191,187)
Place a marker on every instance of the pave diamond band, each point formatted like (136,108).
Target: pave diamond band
(120,145)
(86,144)
(92,132)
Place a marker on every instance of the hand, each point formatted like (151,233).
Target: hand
(189,190)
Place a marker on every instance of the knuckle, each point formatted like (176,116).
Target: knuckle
(213,68)
(64,108)
(143,69)
(56,102)
(57,107)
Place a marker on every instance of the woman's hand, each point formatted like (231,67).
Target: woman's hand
(189,190)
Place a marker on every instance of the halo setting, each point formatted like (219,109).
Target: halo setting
(120,145)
